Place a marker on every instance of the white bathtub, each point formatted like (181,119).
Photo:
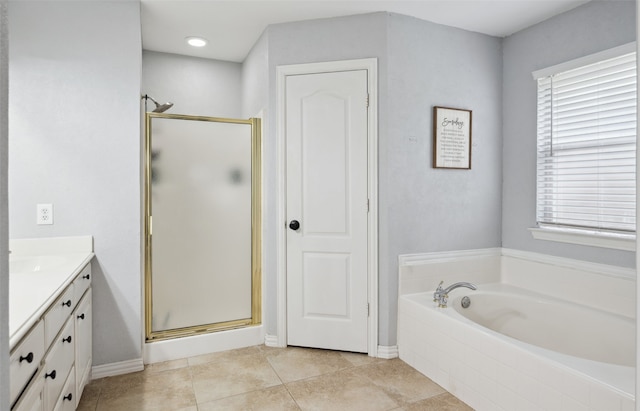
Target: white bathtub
(516,349)
(553,324)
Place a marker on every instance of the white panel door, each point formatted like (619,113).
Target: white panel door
(326,186)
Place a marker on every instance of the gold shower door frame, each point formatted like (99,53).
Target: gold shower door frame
(256,240)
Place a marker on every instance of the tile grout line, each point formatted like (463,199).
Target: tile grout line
(292,397)
(95,408)
(282,382)
(286,384)
(260,354)
(193,389)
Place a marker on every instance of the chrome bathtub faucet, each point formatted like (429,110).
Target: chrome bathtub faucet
(442,294)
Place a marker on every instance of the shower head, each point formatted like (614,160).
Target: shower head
(160,108)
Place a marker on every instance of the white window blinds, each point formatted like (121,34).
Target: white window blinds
(587,146)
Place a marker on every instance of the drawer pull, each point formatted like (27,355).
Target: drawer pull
(68,339)
(68,397)
(51,375)
(68,303)
(28,358)
(81,316)
(86,277)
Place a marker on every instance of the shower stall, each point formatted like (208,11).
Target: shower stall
(202,224)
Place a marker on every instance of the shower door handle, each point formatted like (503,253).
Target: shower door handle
(294,225)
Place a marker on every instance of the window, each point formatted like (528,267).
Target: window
(587,144)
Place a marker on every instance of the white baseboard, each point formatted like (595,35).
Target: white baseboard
(388,351)
(271,341)
(116,368)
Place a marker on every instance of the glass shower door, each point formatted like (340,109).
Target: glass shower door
(202,224)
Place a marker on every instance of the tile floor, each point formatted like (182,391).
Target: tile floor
(264,378)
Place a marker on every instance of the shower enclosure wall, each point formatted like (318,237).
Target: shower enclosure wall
(202,183)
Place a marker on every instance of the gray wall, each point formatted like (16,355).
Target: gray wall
(4,212)
(195,86)
(255,79)
(75,142)
(361,36)
(420,64)
(588,29)
(423,209)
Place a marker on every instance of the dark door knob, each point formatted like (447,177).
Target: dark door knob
(294,224)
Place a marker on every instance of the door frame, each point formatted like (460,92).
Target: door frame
(371,66)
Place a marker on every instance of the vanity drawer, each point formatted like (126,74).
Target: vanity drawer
(82,283)
(67,399)
(58,363)
(25,359)
(33,399)
(58,314)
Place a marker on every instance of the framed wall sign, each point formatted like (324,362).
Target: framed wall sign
(451,138)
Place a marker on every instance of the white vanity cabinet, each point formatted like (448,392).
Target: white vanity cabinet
(67,399)
(57,315)
(51,365)
(33,399)
(25,359)
(58,364)
(82,318)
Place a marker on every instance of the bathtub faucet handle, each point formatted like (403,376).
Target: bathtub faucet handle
(437,295)
(441,295)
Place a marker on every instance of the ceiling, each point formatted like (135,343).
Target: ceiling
(232,27)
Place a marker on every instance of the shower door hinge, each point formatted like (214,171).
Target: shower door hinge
(150,225)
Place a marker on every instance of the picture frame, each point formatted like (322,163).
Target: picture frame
(451,138)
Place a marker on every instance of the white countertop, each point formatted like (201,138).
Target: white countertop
(39,273)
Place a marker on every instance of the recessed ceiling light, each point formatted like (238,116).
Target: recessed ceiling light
(196,41)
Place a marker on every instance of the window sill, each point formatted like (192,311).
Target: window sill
(618,242)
